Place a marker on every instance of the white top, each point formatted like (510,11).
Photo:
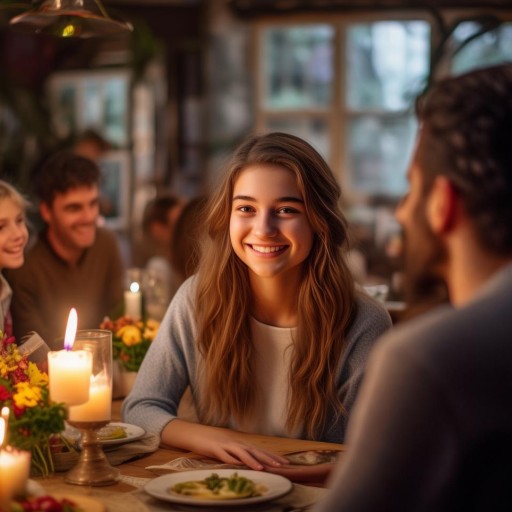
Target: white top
(273,346)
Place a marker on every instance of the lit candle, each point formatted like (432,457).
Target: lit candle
(14,470)
(133,301)
(70,370)
(99,405)
(5,418)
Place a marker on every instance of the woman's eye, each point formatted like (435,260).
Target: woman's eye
(287,209)
(245,209)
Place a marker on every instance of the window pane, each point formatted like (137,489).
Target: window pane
(490,48)
(379,151)
(116,101)
(313,130)
(93,104)
(387,62)
(297,65)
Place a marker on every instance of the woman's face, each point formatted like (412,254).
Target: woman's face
(13,234)
(269,229)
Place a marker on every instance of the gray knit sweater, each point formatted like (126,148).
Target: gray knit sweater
(171,365)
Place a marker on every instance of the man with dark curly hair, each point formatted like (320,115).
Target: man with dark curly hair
(73,262)
(432,428)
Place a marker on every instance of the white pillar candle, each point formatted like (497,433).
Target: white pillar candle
(14,470)
(69,374)
(69,371)
(99,405)
(133,301)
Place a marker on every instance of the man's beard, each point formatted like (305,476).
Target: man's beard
(424,284)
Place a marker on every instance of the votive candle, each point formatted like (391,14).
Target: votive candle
(133,301)
(14,469)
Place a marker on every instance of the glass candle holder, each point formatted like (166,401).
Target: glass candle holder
(93,467)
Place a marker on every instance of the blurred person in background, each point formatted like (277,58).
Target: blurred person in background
(432,426)
(73,262)
(158,226)
(186,240)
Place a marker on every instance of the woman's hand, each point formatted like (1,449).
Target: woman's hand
(219,443)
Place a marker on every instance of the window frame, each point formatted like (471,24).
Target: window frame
(337,115)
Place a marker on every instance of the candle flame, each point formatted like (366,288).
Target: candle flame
(2,431)
(69,337)
(134,287)
(5,413)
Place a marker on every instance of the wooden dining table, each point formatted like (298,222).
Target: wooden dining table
(137,468)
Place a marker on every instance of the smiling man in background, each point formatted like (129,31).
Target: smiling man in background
(432,427)
(73,263)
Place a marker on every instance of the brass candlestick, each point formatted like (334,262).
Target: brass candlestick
(93,467)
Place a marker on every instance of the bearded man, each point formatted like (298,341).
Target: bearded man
(432,427)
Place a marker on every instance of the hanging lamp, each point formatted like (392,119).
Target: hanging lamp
(70,18)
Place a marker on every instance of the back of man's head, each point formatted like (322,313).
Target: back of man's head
(466,135)
(64,171)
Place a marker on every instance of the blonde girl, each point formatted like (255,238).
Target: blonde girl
(270,335)
(13,238)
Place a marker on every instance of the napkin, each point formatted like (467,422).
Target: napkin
(185,464)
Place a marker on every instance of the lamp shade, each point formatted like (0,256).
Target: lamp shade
(70,18)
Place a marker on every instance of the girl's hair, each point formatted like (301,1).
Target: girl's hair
(326,300)
(7,191)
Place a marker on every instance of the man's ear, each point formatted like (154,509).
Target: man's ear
(442,205)
(45,212)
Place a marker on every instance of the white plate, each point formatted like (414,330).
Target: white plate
(276,485)
(133,432)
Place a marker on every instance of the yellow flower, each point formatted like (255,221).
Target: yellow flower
(151,329)
(26,395)
(37,377)
(130,334)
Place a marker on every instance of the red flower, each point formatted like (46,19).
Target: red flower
(18,411)
(4,394)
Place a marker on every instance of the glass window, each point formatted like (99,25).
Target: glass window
(386,66)
(490,48)
(386,63)
(379,148)
(298,64)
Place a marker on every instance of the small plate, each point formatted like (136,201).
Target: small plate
(133,432)
(276,485)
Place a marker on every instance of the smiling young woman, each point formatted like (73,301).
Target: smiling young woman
(271,334)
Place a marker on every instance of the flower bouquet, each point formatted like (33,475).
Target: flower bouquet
(131,340)
(35,422)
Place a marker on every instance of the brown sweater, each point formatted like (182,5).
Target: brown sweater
(45,288)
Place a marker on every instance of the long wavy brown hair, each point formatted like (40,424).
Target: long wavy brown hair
(325,305)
